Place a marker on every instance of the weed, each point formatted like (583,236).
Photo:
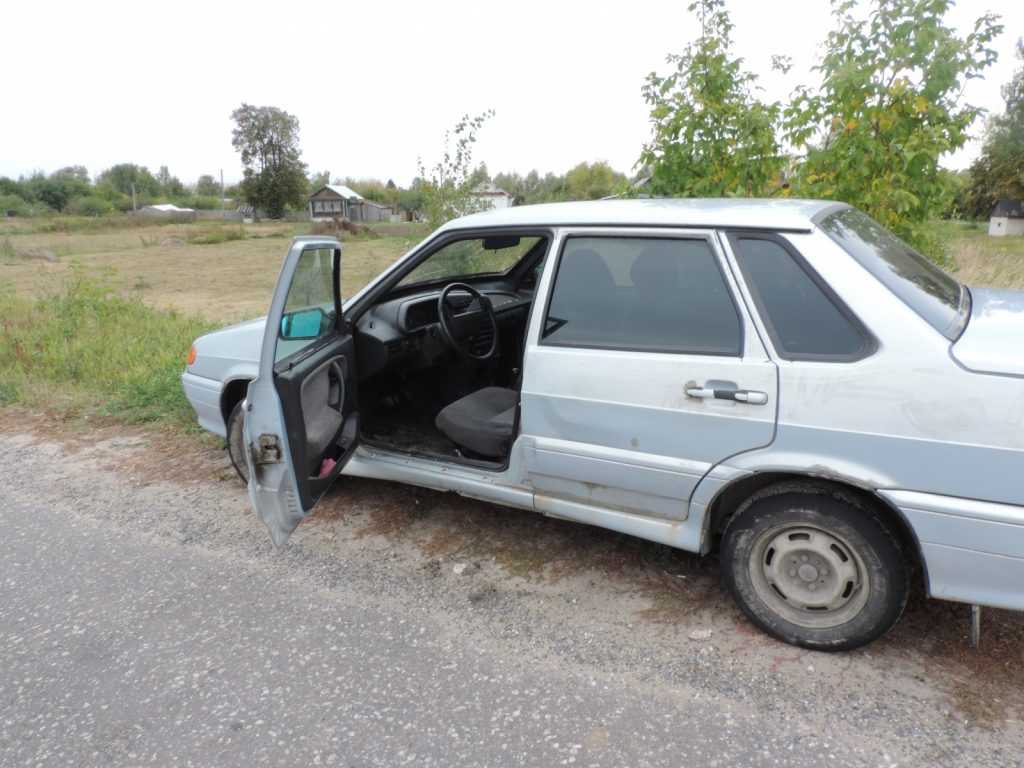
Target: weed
(216,235)
(84,349)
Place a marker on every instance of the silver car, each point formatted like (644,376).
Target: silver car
(783,382)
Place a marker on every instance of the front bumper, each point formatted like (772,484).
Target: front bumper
(204,395)
(973,550)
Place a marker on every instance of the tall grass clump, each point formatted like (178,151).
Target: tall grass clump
(84,350)
(216,235)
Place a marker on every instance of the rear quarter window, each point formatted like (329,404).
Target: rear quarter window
(804,317)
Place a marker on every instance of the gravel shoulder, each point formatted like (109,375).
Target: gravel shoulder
(145,617)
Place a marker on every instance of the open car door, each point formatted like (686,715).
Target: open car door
(301,421)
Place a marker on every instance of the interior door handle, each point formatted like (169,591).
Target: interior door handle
(750,396)
(336,399)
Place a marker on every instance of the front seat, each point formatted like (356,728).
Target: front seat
(482,421)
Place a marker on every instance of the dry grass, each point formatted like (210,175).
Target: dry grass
(183,267)
(981,260)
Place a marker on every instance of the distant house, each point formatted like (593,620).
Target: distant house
(336,201)
(1007,218)
(489,197)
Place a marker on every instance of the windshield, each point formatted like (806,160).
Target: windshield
(477,256)
(939,299)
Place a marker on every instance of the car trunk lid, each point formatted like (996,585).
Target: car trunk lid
(993,341)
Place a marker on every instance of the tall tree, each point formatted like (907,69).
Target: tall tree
(710,134)
(999,171)
(887,108)
(447,187)
(319,180)
(593,181)
(121,177)
(170,186)
(207,186)
(268,140)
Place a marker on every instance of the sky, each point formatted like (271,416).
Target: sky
(375,85)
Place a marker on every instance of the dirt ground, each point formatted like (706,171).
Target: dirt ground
(644,602)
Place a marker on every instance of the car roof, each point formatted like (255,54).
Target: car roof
(745,213)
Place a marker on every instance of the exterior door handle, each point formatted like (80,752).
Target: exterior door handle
(750,396)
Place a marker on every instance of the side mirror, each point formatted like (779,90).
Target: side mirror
(303,325)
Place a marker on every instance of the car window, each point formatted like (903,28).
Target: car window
(647,294)
(309,308)
(476,256)
(804,321)
(939,299)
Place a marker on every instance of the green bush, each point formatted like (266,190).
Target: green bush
(199,202)
(90,205)
(87,350)
(12,205)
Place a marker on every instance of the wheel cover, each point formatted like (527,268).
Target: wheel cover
(809,576)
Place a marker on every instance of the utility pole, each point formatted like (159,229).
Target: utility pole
(222,193)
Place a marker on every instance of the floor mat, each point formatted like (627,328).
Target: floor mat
(408,429)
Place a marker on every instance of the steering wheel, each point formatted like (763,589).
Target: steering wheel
(459,331)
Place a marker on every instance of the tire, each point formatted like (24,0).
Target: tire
(814,570)
(236,442)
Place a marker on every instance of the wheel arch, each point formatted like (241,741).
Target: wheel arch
(233,393)
(736,496)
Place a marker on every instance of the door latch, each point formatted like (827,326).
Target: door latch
(750,396)
(266,450)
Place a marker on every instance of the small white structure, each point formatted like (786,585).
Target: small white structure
(488,197)
(1007,218)
(168,211)
(166,208)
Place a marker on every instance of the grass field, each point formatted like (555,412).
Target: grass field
(994,262)
(221,272)
(96,321)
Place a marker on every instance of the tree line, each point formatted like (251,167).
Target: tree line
(71,190)
(870,132)
(887,105)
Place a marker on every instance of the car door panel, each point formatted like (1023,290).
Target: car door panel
(617,429)
(317,403)
(301,422)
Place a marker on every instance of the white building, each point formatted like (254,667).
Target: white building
(169,211)
(1007,219)
(489,197)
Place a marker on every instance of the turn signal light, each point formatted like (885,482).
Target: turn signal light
(191,356)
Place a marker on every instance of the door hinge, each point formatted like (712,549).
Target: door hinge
(266,450)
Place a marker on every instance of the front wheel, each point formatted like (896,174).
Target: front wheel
(236,442)
(816,571)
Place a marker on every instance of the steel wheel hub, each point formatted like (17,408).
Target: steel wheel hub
(809,576)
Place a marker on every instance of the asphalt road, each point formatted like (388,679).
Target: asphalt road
(152,624)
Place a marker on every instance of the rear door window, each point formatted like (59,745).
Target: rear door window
(641,293)
(804,317)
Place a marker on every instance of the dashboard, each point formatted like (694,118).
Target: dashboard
(405,330)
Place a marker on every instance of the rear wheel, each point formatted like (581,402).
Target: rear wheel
(814,570)
(236,442)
